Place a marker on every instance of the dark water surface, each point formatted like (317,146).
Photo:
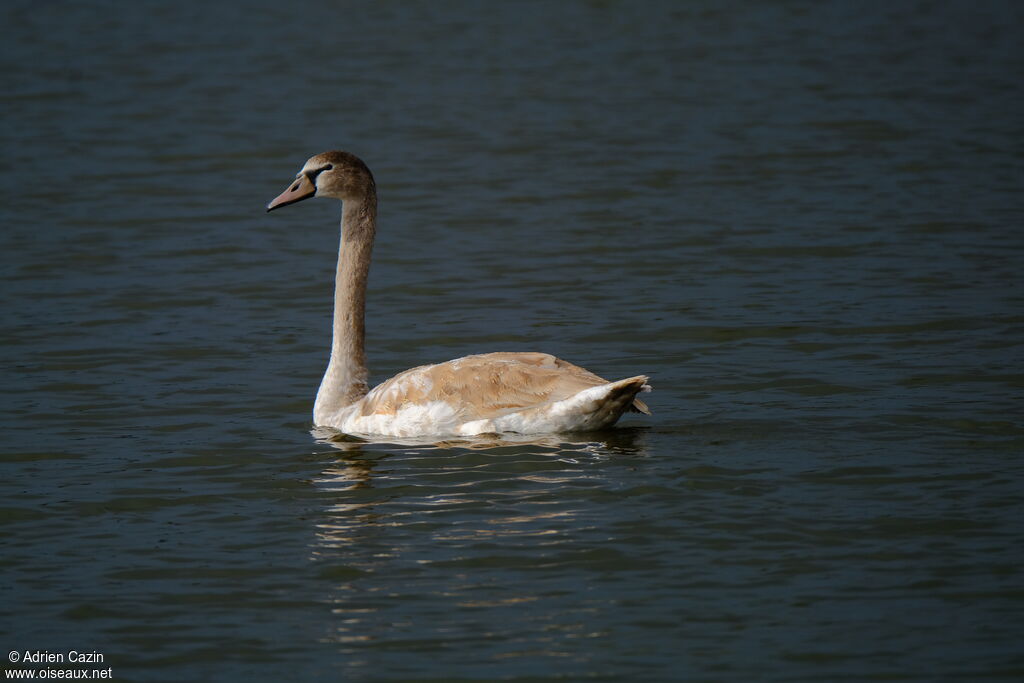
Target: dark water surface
(802,220)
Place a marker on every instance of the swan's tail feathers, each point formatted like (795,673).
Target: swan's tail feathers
(633,386)
(611,400)
(595,407)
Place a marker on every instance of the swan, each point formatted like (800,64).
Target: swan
(523,392)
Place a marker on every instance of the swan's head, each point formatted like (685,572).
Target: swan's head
(339,175)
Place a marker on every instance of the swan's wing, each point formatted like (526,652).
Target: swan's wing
(483,386)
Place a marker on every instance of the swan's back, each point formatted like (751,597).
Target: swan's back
(492,392)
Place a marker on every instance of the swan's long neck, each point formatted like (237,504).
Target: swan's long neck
(344,382)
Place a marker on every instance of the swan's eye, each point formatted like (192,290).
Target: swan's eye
(314,174)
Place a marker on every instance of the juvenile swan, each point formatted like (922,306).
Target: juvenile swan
(528,393)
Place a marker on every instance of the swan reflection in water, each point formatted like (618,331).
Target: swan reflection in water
(460,468)
(359,457)
(405,520)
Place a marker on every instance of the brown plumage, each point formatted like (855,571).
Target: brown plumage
(486,385)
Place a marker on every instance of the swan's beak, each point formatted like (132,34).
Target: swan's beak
(302,188)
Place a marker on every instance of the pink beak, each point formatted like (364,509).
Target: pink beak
(302,188)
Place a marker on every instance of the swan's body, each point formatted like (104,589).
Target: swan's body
(528,393)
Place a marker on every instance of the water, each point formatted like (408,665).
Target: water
(803,221)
